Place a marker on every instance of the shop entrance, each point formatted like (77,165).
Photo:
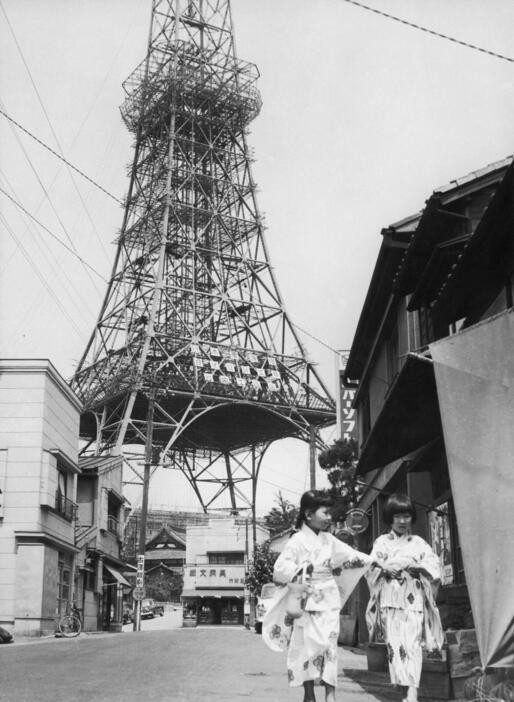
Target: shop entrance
(220,610)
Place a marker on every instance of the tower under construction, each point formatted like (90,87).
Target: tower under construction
(193,354)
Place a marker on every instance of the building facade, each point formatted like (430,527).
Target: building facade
(437,272)
(214,574)
(99,583)
(39,431)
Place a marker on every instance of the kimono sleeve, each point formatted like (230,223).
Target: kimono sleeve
(352,565)
(346,557)
(427,559)
(378,555)
(287,564)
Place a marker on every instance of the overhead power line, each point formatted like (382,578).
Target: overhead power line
(430,31)
(54,236)
(323,343)
(46,252)
(45,146)
(40,100)
(41,277)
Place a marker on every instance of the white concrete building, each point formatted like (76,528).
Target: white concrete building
(39,430)
(214,574)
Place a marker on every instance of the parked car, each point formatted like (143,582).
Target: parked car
(263,603)
(146,611)
(150,609)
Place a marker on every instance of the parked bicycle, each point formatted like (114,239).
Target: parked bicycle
(70,624)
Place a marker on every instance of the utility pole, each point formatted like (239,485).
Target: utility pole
(144,505)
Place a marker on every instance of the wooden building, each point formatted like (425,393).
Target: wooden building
(437,272)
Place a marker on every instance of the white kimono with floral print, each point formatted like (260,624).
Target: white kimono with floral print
(311,640)
(402,612)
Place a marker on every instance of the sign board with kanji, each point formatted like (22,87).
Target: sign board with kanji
(139,593)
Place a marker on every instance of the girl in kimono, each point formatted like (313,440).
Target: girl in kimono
(311,640)
(401,610)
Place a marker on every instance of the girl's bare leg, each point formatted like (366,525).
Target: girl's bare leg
(330,693)
(308,694)
(412,694)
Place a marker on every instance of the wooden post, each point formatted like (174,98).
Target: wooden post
(146,488)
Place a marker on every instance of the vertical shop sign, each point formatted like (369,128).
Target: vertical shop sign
(347,416)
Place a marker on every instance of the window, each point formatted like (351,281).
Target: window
(64,584)
(227,557)
(63,505)
(113,511)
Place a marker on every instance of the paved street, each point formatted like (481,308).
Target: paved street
(160,664)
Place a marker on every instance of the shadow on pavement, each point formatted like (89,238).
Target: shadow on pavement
(374,683)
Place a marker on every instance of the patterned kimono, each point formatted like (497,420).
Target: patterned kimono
(403,612)
(311,640)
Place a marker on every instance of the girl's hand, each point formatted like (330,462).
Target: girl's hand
(394,573)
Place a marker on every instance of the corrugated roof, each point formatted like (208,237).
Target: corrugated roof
(90,463)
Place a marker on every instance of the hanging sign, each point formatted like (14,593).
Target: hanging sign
(356,521)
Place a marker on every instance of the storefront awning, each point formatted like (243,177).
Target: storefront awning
(398,429)
(212,593)
(117,575)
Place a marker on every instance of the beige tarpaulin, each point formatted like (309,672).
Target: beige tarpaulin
(474,373)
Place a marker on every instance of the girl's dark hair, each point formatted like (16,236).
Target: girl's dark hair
(310,502)
(396,504)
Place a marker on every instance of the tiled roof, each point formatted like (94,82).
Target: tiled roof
(475,175)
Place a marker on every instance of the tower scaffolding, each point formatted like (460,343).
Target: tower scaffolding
(192,327)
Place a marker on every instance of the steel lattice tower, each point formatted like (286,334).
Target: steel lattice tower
(192,330)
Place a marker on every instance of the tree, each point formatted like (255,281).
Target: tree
(163,585)
(282,516)
(260,567)
(339,461)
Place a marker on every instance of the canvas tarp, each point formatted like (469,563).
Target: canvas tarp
(474,373)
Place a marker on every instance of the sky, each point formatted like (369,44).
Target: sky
(362,119)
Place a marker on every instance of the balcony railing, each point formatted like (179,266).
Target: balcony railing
(113,525)
(66,508)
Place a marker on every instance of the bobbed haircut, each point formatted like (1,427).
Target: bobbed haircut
(310,502)
(397,504)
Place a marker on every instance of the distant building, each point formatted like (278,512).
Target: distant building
(157,519)
(165,555)
(168,548)
(214,574)
(39,432)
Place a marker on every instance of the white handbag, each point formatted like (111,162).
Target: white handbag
(297,595)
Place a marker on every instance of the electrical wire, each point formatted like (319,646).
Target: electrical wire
(50,259)
(48,198)
(54,236)
(54,153)
(40,100)
(323,343)
(413,25)
(41,277)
